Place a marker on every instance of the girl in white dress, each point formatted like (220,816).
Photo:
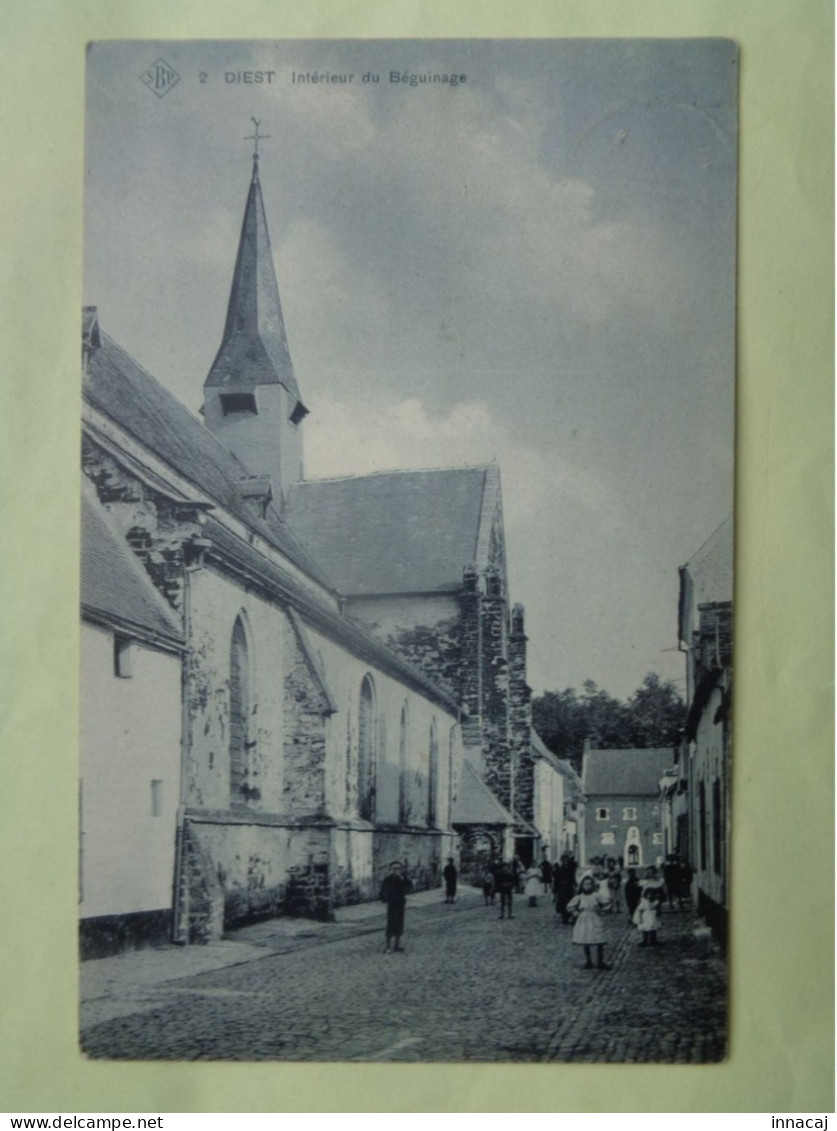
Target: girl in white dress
(533,885)
(589,930)
(647,915)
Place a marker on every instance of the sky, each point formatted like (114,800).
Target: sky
(535,266)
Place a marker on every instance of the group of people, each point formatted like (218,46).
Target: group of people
(579,901)
(600,890)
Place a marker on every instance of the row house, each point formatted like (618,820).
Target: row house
(699,797)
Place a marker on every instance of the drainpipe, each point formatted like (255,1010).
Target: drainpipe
(181,898)
(194,551)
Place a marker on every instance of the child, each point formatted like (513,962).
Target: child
(614,890)
(589,929)
(647,916)
(633,893)
(488,886)
(533,885)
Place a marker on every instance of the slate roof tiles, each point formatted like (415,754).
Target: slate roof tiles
(114,585)
(625,772)
(393,532)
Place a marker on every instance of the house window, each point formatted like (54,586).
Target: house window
(608,838)
(602,814)
(156,797)
(656,838)
(629,813)
(366,751)
(238,402)
(717,827)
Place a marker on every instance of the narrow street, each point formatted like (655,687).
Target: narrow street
(468,988)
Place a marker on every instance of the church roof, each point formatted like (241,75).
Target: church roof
(707,576)
(475,804)
(121,388)
(393,532)
(115,587)
(625,772)
(541,751)
(254,350)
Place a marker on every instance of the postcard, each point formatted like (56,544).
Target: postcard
(408,375)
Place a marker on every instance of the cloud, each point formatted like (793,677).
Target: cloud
(353,438)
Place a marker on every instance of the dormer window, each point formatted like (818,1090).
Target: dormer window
(232,403)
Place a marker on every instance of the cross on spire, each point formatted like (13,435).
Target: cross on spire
(256,137)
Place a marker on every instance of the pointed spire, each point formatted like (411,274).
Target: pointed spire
(254,350)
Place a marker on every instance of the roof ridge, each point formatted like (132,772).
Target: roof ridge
(245,471)
(729,519)
(392,471)
(262,528)
(627,749)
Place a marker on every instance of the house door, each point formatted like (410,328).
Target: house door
(633,848)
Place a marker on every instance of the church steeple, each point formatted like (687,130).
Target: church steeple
(251,397)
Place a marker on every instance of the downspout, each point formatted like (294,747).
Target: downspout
(181,897)
(197,547)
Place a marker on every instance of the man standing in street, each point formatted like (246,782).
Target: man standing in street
(506,883)
(449,874)
(394,894)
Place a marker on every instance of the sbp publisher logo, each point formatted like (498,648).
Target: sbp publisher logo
(160,77)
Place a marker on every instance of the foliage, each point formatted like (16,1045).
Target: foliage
(653,716)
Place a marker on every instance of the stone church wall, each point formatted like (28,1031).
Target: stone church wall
(268,869)
(344,675)
(215,603)
(424,629)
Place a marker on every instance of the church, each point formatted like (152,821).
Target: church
(286,683)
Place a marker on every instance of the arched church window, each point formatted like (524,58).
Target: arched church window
(433,777)
(403,802)
(366,751)
(240,711)
(449,807)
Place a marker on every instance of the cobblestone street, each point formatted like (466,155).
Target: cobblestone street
(468,988)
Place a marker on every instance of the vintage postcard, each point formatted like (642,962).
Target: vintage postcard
(407,542)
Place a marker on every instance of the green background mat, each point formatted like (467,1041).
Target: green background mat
(783,890)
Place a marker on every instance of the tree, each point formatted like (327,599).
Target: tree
(606,718)
(558,717)
(656,713)
(653,716)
